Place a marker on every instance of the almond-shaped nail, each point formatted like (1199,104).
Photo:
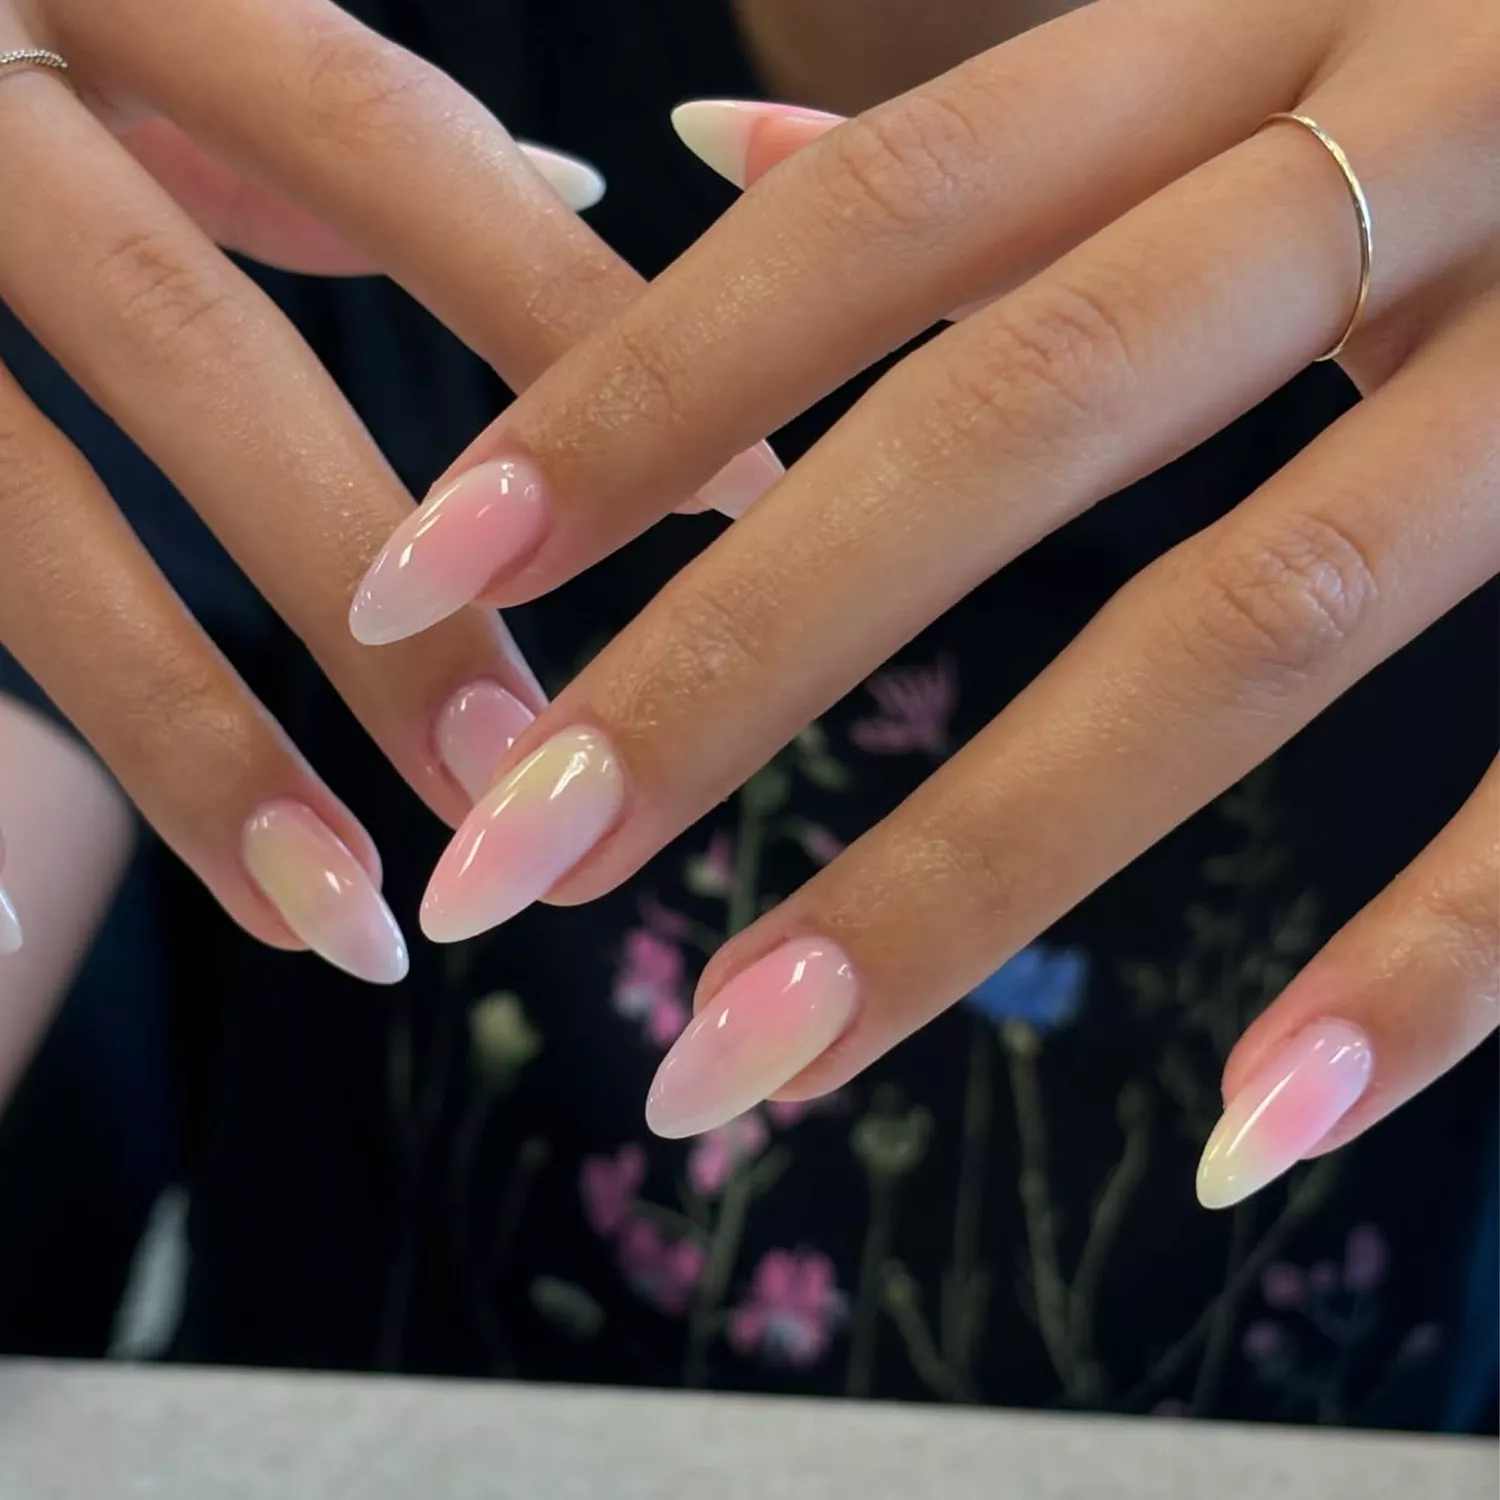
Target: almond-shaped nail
(579,184)
(10,925)
(530,829)
(444,555)
(729,134)
(1284,1111)
(475,732)
(323,893)
(757,1034)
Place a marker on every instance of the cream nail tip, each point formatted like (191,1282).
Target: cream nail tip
(11,936)
(575,181)
(717,132)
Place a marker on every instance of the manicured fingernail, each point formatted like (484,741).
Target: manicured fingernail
(740,139)
(10,925)
(443,556)
(741,482)
(577,183)
(323,893)
(1284,1111)
(526,834)
(756,1035)
(475,732)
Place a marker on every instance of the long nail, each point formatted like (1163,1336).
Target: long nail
(1284,1111)
(475,732)
(741,482)
(10,925)
(526,834)
(756,1035)
(442,557)
(323,893)
(741,139)
(574,180)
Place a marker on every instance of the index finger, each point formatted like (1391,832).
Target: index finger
(841,254)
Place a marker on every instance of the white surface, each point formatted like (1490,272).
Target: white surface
(96,1433)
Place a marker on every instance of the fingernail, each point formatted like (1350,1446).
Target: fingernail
(445,554)
(741,482)
(577,183)
(323,893)
(730,135)
(10,925)
(524,836)
(756,1035)
(475,732)
(1284,1111)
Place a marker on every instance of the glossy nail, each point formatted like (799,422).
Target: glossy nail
(10,925)
(757,1034)
(524,836)
(741,482)
(730,135)
(323,893)
(574,180)
(443,556)
(475,732)
(1284,1111)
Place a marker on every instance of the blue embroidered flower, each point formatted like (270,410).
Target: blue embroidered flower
(1042,987)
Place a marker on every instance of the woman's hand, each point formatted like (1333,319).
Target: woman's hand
(1154,262)
(284,129)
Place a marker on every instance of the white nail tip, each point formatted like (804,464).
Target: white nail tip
(579,185)
(716,131)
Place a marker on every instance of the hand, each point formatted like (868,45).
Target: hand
(1155,263)
(288,131)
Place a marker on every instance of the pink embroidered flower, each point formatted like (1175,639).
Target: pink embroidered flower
(663,921)
(1284,1287)
(1365,1259)
(712,873)
(652,971)
(668,1017)
(609,1185)
(915,705)
(665,1275)
(786,1113)
(822,847)
(793,1309)
(715,1155)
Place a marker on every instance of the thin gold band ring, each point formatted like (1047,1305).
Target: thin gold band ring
(1361,213)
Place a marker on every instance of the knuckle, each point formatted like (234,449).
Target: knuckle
(159,294)
(1045,369)
(360,86)
(900,165)
(1283,603)
(644,381)
(1468,905)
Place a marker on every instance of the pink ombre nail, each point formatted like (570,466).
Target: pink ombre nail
(742,481)
(757,1034)
(742,139)
(1284,1111)
(323,893)
(525,835)
(475,732)
(445,555)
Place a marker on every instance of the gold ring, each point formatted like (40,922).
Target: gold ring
(18,59)
(1361,213)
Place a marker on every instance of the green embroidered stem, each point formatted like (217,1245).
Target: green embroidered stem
(861,1372)
(965,1289)
(1226,1313)
(902,1302)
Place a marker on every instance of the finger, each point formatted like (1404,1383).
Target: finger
(244,216)
(1084,380)
(85,611)
(1197,670)
(395,156)
(1404,992)
(851,247)
(211,380)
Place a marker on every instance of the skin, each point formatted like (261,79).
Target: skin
(1149,275)
(289,132)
